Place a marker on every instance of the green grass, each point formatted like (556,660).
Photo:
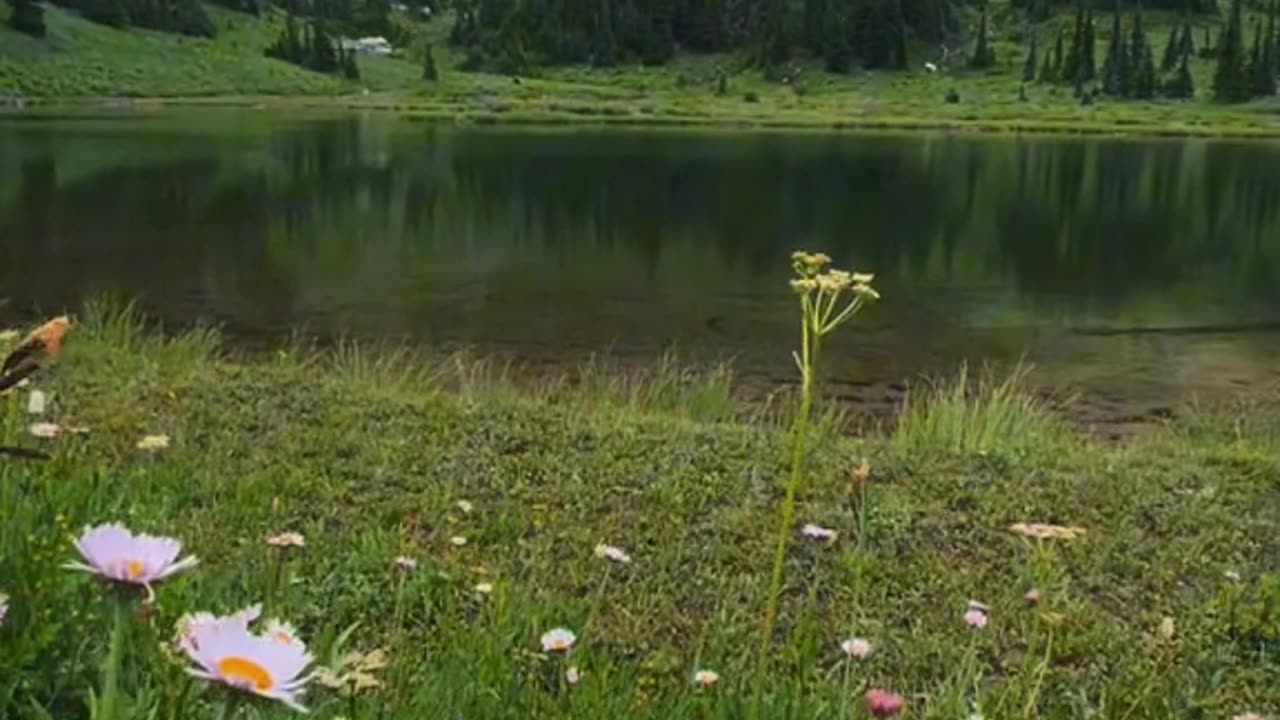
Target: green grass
(367,452)
(80,60)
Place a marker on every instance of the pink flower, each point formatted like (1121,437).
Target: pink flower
(975,618)
(882,703)
(114,553)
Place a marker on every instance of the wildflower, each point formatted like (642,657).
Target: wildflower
(483,588)
(863,473)
(1231,575)
(4,607)
(558,640)
(465,506)
(457,541)
(1167,628)
(817,532)
(281,632)
(354,673)
(187,627)
(45,429)
(572,675)
(117,554)
(289,539)
(1033,597)
(976,616)
(857,648)
(882,703)
(36,402)
(804,285)
(153,442)
(706,678)
(404,562)
(229,653)
(833,281)
(615,554)
(1040,531)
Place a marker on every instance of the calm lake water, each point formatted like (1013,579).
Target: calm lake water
(1137,272)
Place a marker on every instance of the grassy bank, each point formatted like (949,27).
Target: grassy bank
(81,62)
(368,455)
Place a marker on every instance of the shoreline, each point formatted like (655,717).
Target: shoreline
(632,115)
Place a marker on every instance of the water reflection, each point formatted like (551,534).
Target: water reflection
(1128,268)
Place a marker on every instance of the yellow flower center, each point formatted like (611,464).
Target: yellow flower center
(245,672)
(134,569)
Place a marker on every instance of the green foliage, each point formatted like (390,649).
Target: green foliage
(983,55)
(1051,69)
(1181,85)
(1142,81)
(186,17)
(1029,65)
(27,17)
(1116,74)
(1262,65)
(1172,52)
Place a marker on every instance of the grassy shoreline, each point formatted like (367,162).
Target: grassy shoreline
(368,454)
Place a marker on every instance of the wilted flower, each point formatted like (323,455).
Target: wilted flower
(288,539)
(457,541)
(882,703)
(857,648)
(706,678)
(975,618)
(404,562)
(355,672)
(115,553)
(1033,597)
(153,442)
(817,532)
(229,653)
(572,675)
(558,640)
(609,552)
(45,429)
(465,506)
(36,402)
(483,588)
(1041,531)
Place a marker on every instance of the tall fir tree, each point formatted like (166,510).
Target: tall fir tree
(1115,69)
(983,56)
(1181,85)
(1088,48)
(771,33)
(1142,66)
(430,72)
(1231,77)
(1029,67)
(1262,72)
(1071,63)
(1187,46)
(605,50)
(27,17)
(1048,71)
(1172,51)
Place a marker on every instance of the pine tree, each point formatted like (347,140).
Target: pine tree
(1231,77)
(1088,47)
(1142,67)
(983,56)
(1188,44)
(27,17)
(1071,63)
(1261,70)
(1181,85)
(605,52)
(1115,69)
(322,56)
(1029,67)
(430,72)
(1172,51)
(771,31)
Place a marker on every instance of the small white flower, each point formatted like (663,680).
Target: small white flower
(706,678)
(558,640)
(466,506)
(227,652)
(817,532)
(289,539)
(115,553)
(1231,575)
(1250,716)
(857,648)
(404,562)
(36,402)
(484,588)
(457,541)
(616,554)
(45,429)
(153,442)
(4,607)
(1167,628)
(572,675)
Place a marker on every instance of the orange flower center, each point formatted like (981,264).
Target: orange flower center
(134,569)
(245,672)
(284,637)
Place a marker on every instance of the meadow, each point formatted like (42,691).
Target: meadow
(450,517)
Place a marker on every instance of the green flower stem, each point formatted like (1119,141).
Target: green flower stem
(109,703)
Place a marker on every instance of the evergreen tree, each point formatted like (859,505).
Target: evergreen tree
(771,31)
(321,56)
(430,72)
(1187,46)
(1088,48)
(1172,51)
(605,52)
(1262,71)
(1058,58)
(983,56)
(1181,85)
(1070,69)
(1142,66)
(1115,69)
(27,17)
(1047,74)
(1231,77)
(1029,67)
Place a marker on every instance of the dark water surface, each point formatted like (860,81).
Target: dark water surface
(1138,272)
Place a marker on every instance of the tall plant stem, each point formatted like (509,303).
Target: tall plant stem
(109,705)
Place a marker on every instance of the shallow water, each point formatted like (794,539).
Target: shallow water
(1138,273)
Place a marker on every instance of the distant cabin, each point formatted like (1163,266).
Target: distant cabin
(368,46)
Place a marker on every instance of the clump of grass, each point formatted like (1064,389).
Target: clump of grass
(986,413)
(378,370)
(669,387)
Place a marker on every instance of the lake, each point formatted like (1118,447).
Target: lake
(1137,273)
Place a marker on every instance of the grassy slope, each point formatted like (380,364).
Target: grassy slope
(369,458)
(84,60)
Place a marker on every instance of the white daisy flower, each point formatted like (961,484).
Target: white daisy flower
(289,539)
(404,562)
(558,640)
(45,429)
(457,541)
(228,653)
(817,532)
(572,675)
(115,553)
(857,648)
(616,554)
(466,506)
(706,678)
